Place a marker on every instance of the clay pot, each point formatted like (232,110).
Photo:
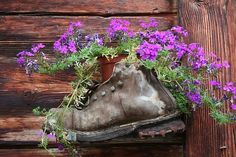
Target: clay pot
(107,65)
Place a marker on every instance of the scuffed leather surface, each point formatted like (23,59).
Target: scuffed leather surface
(131,94)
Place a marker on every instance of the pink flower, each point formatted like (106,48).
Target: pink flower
(214,83)
(225,64)
(228,87)
(234,97)
(51,136)
(233,106)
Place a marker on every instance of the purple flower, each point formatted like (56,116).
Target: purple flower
(169,47)
(70,30)
(31,66)
(117,27)
(215,83)
(64,37)
(233,90)
(70,39)
(196,57)
(131,34)
(21,61)
(77,24)
(60,146)
(72,27)
(180,54)
(233,106)
(64,49)
(88,38)
(40,133)
(215,65)
(25,54)
(152,23)
(193,46)
(37,47)
(234,97)
(179,30)
(95,38)
(72,46)
(175,65)
(228,87)
(163,37)
(196,82)
(148,51)
(225,64)
(195,97)
(213,55)
(57,45)
(181,49)
(99,41)
(51,136)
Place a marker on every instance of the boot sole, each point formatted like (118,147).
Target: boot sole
(106,134)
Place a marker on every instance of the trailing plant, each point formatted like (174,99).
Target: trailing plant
(185,69)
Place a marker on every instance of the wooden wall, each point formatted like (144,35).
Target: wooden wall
(212,23)
(23,22)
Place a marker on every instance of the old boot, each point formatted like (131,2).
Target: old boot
(131,98)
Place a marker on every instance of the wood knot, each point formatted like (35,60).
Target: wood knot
(201,3)
(29,96)
(155,10)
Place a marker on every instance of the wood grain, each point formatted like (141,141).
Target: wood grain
(142,151)
(136,151)
(31,152)
(20,92)
(24,131)
(213,24)
(27,131)
(49,28)
(94,7)
(10,49)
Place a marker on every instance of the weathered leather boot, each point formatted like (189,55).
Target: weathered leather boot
(131,98)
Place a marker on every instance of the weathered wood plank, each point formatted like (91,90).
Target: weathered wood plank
(27,136)
(31,152)
(101,7)
(137,151)
(49,28)
(26,130)
(213,24)
(10,49)
(20,92)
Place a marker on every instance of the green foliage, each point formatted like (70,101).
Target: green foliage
(94,51)
(38,111)
(59,64)
(128,46)
(220,117)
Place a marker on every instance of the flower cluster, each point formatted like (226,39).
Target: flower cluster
(26,59)
(70,41)
(118,28)
(94,39)
(149,51)
(180,30)
(152,42)
(169,40)
(195,97)
(151,24)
